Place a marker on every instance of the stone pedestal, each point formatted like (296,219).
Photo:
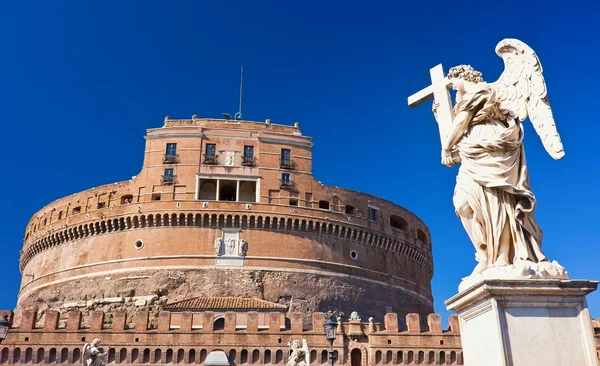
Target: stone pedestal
(526,323)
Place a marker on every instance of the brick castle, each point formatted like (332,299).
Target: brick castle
(225,241)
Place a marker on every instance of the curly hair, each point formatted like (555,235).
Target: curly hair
(465,72)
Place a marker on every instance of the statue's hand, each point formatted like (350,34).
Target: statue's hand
(434,107)
(447,159)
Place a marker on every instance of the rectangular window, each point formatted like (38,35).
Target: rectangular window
(285,178)
(155,196)
(169,173)
(293,201)
(286,156)
(101,204)
(60,213)
(171,150)
(248,152)
(211,150)
(76,210)
(373,214)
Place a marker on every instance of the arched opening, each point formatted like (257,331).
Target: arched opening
(378,357)
(244,356)
(255,356)
(431,359)
(398,222)
(356,357)
(157,355)
(442,357)
(267,359)
(208,190)
(278,356)
(52,355)
(40,356)
(146,356)
(4,355)
(122,355)
(421,236)
(169,356)
(111,355)
(219,323)
(180,355)
(76,355)
(192,356)
(323,356)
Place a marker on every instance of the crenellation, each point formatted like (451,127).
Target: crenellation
(51,320)
(454,325)
(141,321)
(296,322)
(230,321)
(413,323)
(73,320)
(391,322)
(252,322)
(164,321)
(119,322)
(187,319)
(434,321)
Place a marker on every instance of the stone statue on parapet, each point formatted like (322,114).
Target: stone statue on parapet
(483,132)
(300,355)
(92,356)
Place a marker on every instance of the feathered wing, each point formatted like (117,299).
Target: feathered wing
(86,354)
(522,92)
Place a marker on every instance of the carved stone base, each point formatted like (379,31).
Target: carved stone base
(526,323)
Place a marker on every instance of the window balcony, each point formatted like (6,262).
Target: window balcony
(211,160)
(287,164)
(287,185)
(171,159)
(248,161)
(167,179)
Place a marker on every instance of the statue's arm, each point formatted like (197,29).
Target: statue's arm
(459,127)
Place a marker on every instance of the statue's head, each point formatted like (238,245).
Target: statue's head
(96,342)
(461,73)
(294,344)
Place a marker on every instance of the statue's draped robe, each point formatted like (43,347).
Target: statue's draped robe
(493,177)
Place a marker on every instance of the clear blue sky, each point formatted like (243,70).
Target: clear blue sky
(81,81)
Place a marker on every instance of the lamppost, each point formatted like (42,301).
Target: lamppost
(5,325)
(330,326)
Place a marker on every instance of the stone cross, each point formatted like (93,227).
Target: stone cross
(439,91)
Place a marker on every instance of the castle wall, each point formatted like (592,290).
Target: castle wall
(187,338)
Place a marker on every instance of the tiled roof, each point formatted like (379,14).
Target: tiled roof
(224,303)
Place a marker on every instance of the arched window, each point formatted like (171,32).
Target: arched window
(219,323)
(398,223)
(421,236)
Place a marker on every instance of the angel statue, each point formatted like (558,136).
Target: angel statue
(492,196)
(300,355)
(92,355)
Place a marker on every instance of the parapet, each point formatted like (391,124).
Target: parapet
(230,321)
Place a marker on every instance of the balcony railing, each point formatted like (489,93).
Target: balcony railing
(171,159)
(167,179)
(248,161)
(287,185)
(287,164)
(211,160)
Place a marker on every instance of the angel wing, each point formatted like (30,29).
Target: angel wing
(86,354)
(522,92)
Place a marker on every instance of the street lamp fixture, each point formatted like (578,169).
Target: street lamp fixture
(5,325)
(330,327)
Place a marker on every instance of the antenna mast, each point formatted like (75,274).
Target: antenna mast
(241,86)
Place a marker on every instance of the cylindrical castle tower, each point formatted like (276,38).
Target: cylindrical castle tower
(226,209)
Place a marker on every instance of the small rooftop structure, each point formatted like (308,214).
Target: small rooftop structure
(224,303)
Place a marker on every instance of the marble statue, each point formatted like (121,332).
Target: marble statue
(243,247)
(92,355)
(300,355)
(484,133)
(217,245)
